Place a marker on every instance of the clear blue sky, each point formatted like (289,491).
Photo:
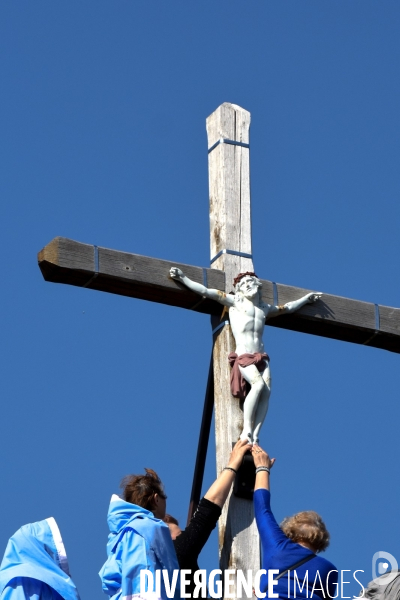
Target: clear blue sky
(103,108)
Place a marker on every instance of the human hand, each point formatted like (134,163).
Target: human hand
(237,454)
(176,273)
(261,458)
(313,297)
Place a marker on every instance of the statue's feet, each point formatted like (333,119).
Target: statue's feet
(246,436)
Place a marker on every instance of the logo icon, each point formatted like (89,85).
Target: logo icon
(384,562)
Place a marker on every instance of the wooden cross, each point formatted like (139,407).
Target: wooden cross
(84,265)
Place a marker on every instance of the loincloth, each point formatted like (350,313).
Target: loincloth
(239,386)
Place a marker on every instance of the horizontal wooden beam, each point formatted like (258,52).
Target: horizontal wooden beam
(74,263)
(125,274)
(339,318)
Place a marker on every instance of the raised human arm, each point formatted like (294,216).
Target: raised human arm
(270,533)
(190,542)
(289,307)
(219,490)
(262,459)
(221,297)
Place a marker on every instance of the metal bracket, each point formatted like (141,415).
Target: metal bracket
(234,252)
(205,282)
(203,443)
(96,266)
(275,293)
(225,141)
(220,326)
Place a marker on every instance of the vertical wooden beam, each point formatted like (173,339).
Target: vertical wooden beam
(229,183)
(230,225)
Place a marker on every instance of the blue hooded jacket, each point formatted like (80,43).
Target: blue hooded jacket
(35,565)
(137,540)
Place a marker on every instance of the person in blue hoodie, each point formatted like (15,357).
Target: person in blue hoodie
(139,540)
(35,565)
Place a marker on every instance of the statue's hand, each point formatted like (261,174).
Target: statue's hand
(313,297)
(176,273)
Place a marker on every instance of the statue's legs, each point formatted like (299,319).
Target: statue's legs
(259,391)
(263,404)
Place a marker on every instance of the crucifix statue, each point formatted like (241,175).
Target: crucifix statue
(250,376)
(86,265)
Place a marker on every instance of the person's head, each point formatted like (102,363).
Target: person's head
(173,525)
(247,284)
(146,491)
(308,529)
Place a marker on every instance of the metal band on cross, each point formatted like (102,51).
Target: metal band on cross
(235,252)
(231,142)
(96,267)
(220,326)
(377,325)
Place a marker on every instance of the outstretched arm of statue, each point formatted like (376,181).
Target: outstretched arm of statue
(221,297)
(289,307)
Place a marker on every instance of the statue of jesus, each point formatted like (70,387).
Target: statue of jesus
(250,376)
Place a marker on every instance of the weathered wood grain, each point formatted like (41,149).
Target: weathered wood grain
(229,189)
(70,262)
(230,228)
(67,261)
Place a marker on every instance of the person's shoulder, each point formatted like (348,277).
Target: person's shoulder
(180,542)
(150,528)
(326,564)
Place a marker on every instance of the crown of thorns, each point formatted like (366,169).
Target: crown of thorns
(241,275)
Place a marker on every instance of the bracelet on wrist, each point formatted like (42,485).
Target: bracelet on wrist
(259,469)
(230,469)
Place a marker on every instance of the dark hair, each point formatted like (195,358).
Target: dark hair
(141,489)
(308,527)
(170,519)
